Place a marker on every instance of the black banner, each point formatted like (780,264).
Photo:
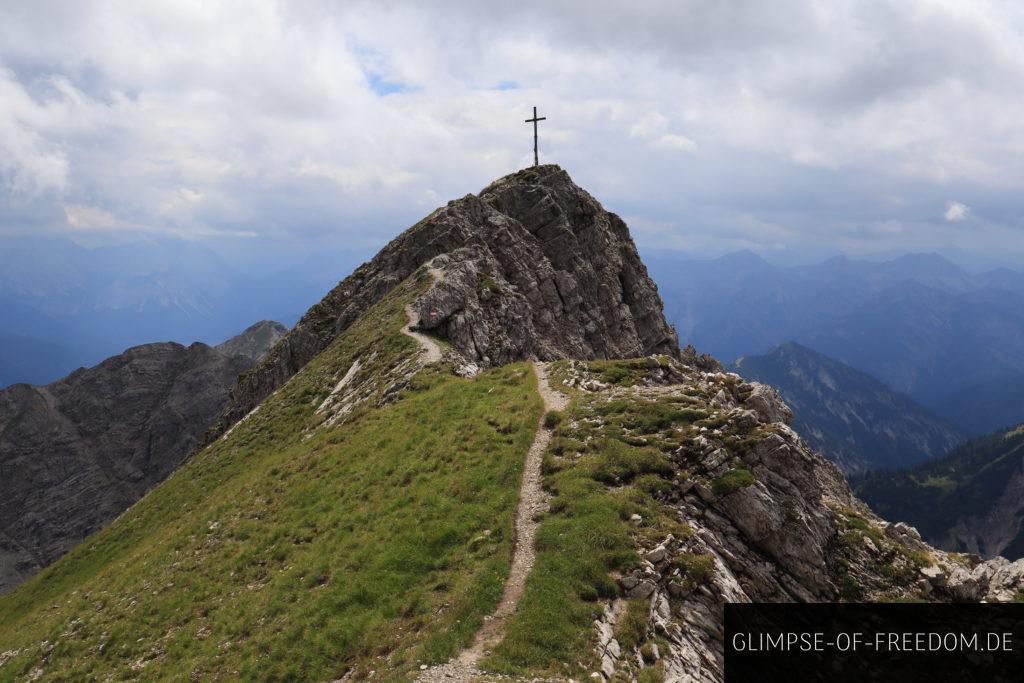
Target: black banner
(874,642)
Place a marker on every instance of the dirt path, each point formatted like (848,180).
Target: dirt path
(532,501)
(429,346)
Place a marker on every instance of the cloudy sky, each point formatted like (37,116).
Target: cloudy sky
(792,127)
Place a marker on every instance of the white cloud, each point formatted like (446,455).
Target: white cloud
(675,142)
(955,212)
(269,117)
(90,218)
(29,162)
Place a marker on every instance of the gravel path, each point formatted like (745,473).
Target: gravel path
(429,346)
(532,501)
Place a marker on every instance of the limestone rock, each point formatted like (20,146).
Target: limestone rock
(533,267)
(769,406)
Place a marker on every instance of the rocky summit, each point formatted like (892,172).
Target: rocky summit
(531,267)
(74,454)
(481,457)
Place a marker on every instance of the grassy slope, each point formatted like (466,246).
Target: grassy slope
(276,556)
(599,477)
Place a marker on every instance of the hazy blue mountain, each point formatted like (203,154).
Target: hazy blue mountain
(33,360)
(952,340)
(948,351)
(63,306)
(849,416)
(33,346)
(968,500)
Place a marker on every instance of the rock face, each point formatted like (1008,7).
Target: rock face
(533,266)
(255,341)
(764,519)
(76,453)
(850,417)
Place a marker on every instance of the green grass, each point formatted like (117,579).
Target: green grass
(696,569)
(864,526)
(849,589)
(631,628)
(733,480)
(282,553)
(586,537)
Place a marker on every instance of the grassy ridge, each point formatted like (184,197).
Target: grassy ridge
(290,553)
(598,477)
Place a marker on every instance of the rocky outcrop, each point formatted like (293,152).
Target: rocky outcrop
(764,519)
(533,267)
(76,453)
(255,341)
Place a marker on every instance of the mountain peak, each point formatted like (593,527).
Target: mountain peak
(255,341)
(531,267)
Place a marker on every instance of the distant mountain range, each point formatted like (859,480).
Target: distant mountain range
(851,417)
(63,306)
(920,324)
(970,500)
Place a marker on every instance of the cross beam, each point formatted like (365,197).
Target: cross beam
(534,120)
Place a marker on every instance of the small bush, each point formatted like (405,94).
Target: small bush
(849,589)
(553,418)
(488,286)
(622,373)
(733,480)
(859,523)
(566,446)
(651,674)
(618,463)
(696,568)
(849,539)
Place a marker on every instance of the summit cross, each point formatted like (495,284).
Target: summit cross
(534,120)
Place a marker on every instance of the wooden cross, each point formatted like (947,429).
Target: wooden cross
(534,121)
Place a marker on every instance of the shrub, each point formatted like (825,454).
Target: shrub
(617,463)
(696,568)
(859,523)
(849,589)
(553,418)
(652,484)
